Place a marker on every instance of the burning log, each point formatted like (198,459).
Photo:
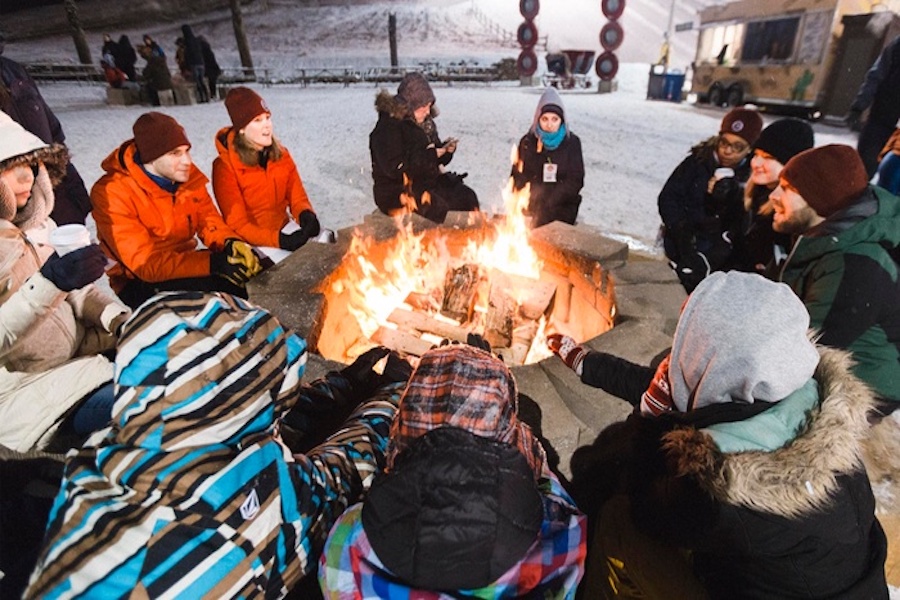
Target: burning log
(501,314)
(402,342)
(408,320)
(535,296)
(460,289)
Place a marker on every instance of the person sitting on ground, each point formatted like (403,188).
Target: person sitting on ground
(740,474)
(213,504)
(758,245)
(156,74)
(54,323)
(256,181)
(702,201)
(150,207)
(550,162)
(408,156)
(467,505)
(844,263)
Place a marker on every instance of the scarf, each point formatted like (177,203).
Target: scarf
(552,141)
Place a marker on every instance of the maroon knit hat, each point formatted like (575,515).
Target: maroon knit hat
(156,134)
(744,123)
(829,177)
(244,105)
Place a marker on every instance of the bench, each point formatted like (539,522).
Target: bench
(64,72)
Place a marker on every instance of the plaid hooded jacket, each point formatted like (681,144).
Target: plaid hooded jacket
(451,517)
(190,493)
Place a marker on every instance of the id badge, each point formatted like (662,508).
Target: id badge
(550,173)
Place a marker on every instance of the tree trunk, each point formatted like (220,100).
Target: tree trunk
(81,45)
(243,47)
(392,38)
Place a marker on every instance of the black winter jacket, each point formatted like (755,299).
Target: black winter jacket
(557,201)
(695,220)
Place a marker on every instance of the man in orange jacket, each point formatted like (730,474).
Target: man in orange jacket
(150,208)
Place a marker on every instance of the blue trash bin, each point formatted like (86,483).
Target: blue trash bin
(672,87)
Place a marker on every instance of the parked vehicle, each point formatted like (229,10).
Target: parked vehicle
(569,69)
(808,59)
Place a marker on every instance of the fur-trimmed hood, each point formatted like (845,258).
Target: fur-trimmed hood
(387,103)
(799,477)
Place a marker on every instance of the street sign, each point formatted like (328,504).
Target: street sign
(684,26)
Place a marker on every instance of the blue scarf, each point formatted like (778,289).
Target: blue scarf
(163,182)
(552,140)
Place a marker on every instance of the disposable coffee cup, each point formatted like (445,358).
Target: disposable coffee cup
(326,236)
(67,238)
(723,172)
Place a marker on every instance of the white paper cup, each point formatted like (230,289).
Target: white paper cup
(67,238)
(723,172)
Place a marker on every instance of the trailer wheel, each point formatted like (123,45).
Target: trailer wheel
(716,94)
(735,95)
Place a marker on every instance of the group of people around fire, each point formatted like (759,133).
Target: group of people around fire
(201,465)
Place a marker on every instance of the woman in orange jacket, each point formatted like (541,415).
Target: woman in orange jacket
(255,180)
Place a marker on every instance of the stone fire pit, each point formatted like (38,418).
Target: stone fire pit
(599,280)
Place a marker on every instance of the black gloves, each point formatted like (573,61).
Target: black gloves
(364,381)
(691,270)
(292,241)
(309,224)
(236,263)
(725,189)
(76,269)
(454,178)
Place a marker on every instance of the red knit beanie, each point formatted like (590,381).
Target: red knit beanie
(156,134)
(829,177)
(744,123)
(244,105)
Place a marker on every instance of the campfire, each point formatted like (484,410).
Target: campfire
(476,274)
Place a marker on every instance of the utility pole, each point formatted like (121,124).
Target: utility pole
(81,45)
(237,21)
(392,39)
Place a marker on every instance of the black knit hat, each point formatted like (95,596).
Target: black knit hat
(555,109)
(786,138)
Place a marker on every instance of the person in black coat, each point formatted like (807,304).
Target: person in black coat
(210,65)
(409,158)
(758,248)
(880,93)
(125,57)
(21,99)
(701,204)
(739,474)
(551,163)
(193,57)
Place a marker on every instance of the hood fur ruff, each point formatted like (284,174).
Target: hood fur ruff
(800,477)
(386,102)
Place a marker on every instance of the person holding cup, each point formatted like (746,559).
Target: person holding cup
(701,204)
(55,383)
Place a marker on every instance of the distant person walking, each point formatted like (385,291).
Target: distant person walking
(880,93)
(193,58)
(211,66)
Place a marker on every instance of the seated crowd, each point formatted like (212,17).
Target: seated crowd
(200,464)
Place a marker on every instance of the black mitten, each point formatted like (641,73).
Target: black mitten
(292,241)
(76,269)
(692,270)
(309,224)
